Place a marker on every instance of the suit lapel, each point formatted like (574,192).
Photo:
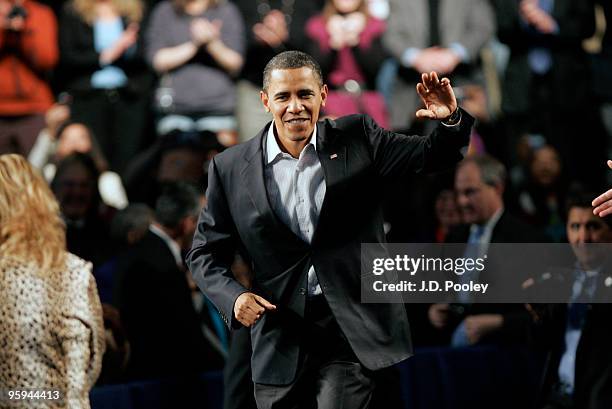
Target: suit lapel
(253,175)
(333,157)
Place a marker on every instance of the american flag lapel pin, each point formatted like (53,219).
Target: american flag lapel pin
(333,156)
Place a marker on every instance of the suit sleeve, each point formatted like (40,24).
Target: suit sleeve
(212,252)
(396,155)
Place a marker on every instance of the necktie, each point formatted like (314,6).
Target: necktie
(576,311)
(434,24)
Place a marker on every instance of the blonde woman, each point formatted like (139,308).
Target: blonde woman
(51,328)
(103,69)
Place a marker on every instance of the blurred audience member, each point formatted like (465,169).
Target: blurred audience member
(51,329)
(127,228)
(434,35)
(102,67)
(197,47)
(546,85)
(541,199)
(447,214)
(272,26)
(347,42)
(28,52)
(87,218)
(602,74)
(178,156)
(131,224)
(577,335)
(56,143)
(479,186)
(154,295)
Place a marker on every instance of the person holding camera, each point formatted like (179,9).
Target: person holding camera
(28,52)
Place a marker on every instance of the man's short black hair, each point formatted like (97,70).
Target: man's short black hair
(289,60)
(177,201)
(581,198)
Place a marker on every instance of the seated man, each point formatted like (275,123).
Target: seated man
(577,335)
(479,185)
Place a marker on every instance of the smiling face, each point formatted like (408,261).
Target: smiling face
(294,97)
(583,229)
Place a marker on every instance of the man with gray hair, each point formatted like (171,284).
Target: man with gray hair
(479,186)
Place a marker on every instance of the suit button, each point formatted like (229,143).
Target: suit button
(302,291)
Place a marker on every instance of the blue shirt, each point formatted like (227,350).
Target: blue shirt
(582,290)
(106,33)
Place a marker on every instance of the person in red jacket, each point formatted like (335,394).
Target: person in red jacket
(28,52)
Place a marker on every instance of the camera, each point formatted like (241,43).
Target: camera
(17,11)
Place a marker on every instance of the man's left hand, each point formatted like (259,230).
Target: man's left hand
(437,96)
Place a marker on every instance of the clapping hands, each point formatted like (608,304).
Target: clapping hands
(441,60)
(204,31)
(344,31)
(127,39)
(273,30)
(533,15)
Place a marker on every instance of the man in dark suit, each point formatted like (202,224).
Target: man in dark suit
(578,335)
(299,199)
(154,296)
(548,73)
(479,185)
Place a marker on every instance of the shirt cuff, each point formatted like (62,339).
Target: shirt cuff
(409,55)
(453,122)
(461,51)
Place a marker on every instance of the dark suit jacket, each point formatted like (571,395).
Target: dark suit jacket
(508,229)
(156,308)
(569,72)
(356,155)
(593,370)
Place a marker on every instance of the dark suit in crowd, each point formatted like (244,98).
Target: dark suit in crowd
(593,359)
(508,229)
(549,74)
(156,308)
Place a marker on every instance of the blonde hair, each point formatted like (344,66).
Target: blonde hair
(130,9)
(31,228)
(180,5)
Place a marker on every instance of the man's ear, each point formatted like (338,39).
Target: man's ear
(265,100)
(324,92)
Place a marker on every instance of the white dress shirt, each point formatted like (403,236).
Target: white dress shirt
(296,189)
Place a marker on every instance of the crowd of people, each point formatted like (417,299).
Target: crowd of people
(121,106)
